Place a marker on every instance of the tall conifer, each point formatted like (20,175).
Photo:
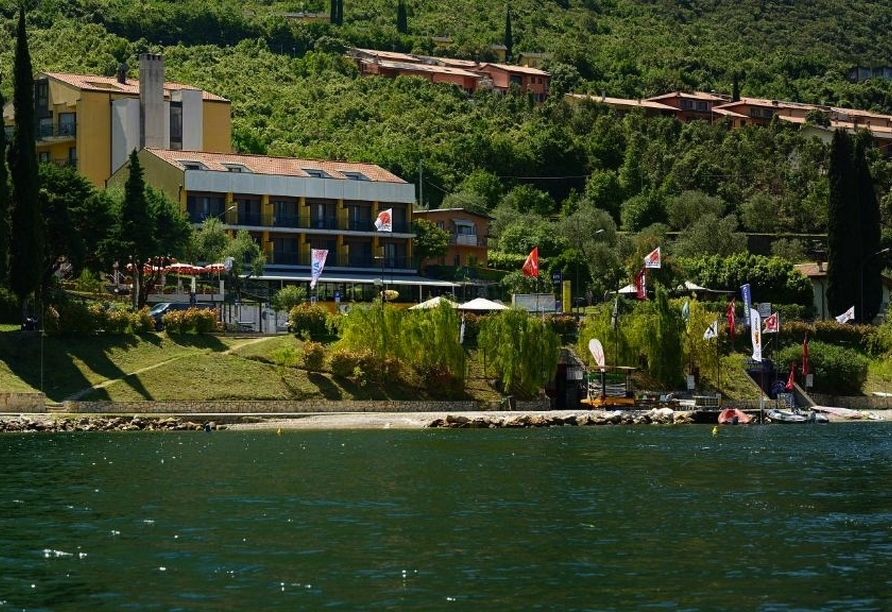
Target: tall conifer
(402,20)
(509,39)
(872,262)
(4,206)
(26,223)
(843,227)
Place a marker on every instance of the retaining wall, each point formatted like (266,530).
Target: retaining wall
(284,407)
(853,402)
(22,402)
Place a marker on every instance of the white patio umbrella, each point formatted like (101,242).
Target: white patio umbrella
(432,303)
(482,305)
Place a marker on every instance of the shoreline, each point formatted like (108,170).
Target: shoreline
(22,422)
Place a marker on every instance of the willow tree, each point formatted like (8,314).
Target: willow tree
(520,349)
(663,341)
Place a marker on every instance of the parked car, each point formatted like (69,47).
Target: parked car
(162,308)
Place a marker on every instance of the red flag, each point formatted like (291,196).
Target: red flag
(805,355)
(791,382)
(641,284)
(531,265)
(731,321)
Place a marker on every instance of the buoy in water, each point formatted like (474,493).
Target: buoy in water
(715,430)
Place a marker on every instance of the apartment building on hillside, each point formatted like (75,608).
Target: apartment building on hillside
(468,233)
(92,123)
(290,206)
(467,74)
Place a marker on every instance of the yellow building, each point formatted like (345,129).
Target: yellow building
(291,206)
(93,123)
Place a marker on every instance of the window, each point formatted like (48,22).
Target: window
(45,127)
(43,156)
(316,172)
(67,125)
(235,168)
(702,106)
(192,165)
(355,176)
(176,122)
(42,94)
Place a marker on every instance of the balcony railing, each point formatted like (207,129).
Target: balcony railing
(466,240)
(61,131)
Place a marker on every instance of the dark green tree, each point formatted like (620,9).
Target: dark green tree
(843,227)
(340,20)
(26,228)
(4,206)
(135,242)
(872,261)
(402,20)
(509,40)
(333,12)
(430,241)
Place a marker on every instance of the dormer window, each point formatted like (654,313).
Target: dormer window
(236,168)
(316,172)
(354,176)
(192,165)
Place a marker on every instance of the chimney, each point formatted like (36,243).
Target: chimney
(151,100)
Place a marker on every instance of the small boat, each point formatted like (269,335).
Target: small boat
(776,415)
(733,416)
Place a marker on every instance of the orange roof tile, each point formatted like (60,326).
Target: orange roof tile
(282,166)
(110,84)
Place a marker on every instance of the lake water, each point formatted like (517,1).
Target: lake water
(765,517)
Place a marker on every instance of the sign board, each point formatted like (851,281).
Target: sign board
(692,384)
(556,277)
(764,309)
(337,297)
(534,302)
(809,380)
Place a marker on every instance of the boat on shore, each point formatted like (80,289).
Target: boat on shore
(733,416)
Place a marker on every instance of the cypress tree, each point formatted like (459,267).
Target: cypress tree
(872,261)
(135,225)
(26,223)
(843,226)
(333,13)
(402,21)
(340,12)
(509,42)
(4,206)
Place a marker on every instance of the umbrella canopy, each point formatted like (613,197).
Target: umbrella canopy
(482,305)
(184,268)
(432,303)
(215,268)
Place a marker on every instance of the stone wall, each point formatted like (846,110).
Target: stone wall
(284,407)
(22,402)
(853,402)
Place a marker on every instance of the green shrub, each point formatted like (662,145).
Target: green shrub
(837,370)
(343,362)
(314,356)
(190,321)
(309,320)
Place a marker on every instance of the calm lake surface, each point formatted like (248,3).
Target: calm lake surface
(763,517)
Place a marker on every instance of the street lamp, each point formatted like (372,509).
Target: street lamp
(861,277)
(223,214)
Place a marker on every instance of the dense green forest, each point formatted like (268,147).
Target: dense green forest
(544,172)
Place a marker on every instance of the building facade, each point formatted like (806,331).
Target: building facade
(92,123)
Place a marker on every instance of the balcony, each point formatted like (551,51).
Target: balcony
(467,240)
(52,132)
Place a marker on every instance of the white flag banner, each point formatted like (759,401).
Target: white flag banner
(846,316)
(317,264)
(756,334)
(384,222)
(653,259)
(712,331)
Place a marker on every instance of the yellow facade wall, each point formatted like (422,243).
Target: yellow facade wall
(217,134)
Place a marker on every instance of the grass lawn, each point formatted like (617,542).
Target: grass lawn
(204,367)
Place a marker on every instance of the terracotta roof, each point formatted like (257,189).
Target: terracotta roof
(281,166)
(415,67)
(512,68)
(625,102)
(697,95)
(391,55)
(111,85)
(451,211)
